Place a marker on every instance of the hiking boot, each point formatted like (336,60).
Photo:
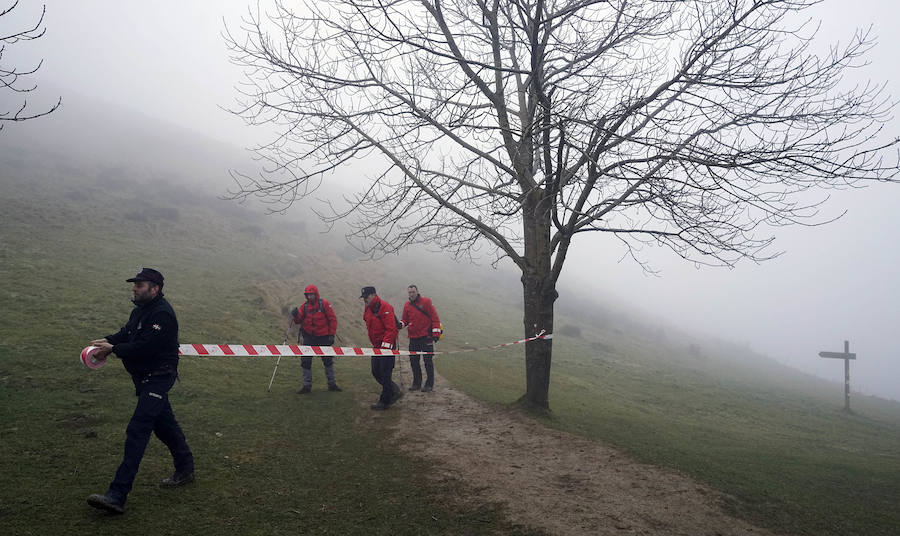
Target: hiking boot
(177,479)
(427,389)
(304,390)
(106,503)
(334,387)
(414,387)
(378,406)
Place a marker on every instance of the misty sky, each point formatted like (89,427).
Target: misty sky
(167,60)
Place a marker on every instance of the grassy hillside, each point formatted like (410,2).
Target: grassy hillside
(74,228)
(268,463)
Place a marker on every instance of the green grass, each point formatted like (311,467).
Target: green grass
(773,440)
(267,463)
(789,458)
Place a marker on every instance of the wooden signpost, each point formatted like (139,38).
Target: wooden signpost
(846,356)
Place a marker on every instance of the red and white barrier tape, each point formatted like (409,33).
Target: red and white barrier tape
(267,350)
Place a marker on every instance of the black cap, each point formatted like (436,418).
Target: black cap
(147,274)
(367,291)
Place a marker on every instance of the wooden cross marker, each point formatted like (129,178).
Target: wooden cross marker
(846,356)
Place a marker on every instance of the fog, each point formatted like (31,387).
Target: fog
(830,284)
(168,61)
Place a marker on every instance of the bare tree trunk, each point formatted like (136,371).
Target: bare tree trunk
(540,294)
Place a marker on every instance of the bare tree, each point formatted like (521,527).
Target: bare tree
(10,76)
(698,125)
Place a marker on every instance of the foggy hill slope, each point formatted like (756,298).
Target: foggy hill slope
(74,222)
(114,172)
(155,171)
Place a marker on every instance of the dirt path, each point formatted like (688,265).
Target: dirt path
(553,480)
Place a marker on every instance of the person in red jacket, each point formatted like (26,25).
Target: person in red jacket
(381,323)
(424,326)
(318,324)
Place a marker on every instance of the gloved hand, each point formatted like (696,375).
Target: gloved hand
(330,340)
(435,338)
(295,312)
(403,324)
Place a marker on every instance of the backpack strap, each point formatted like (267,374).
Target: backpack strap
(321,308)
(396,320)
(428,315)
(420,309)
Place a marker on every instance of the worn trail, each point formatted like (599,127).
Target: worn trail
(553,480)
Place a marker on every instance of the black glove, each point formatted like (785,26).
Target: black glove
(295,312)
(435,339)
(330,340)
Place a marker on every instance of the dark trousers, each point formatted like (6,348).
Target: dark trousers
(422,344)
(153,414)
(382,369)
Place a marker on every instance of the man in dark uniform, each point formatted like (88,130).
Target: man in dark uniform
(148,347)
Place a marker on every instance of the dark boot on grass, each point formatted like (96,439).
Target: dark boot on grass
(177,479)
(107,503)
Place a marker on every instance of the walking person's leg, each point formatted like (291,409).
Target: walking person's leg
(169,432)
(306,366)
(414,365)
(328,363)
(426,346)
(429,372)
(394,391)
(378,374)
(152,399)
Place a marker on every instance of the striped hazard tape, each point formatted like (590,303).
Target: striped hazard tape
(266,350)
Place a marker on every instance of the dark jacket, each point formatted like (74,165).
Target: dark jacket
(148,343)
(424,323)
(317,320)
(381,323)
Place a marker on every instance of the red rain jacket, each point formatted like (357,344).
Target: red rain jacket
(421,324)
(318,319)
(381,323)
